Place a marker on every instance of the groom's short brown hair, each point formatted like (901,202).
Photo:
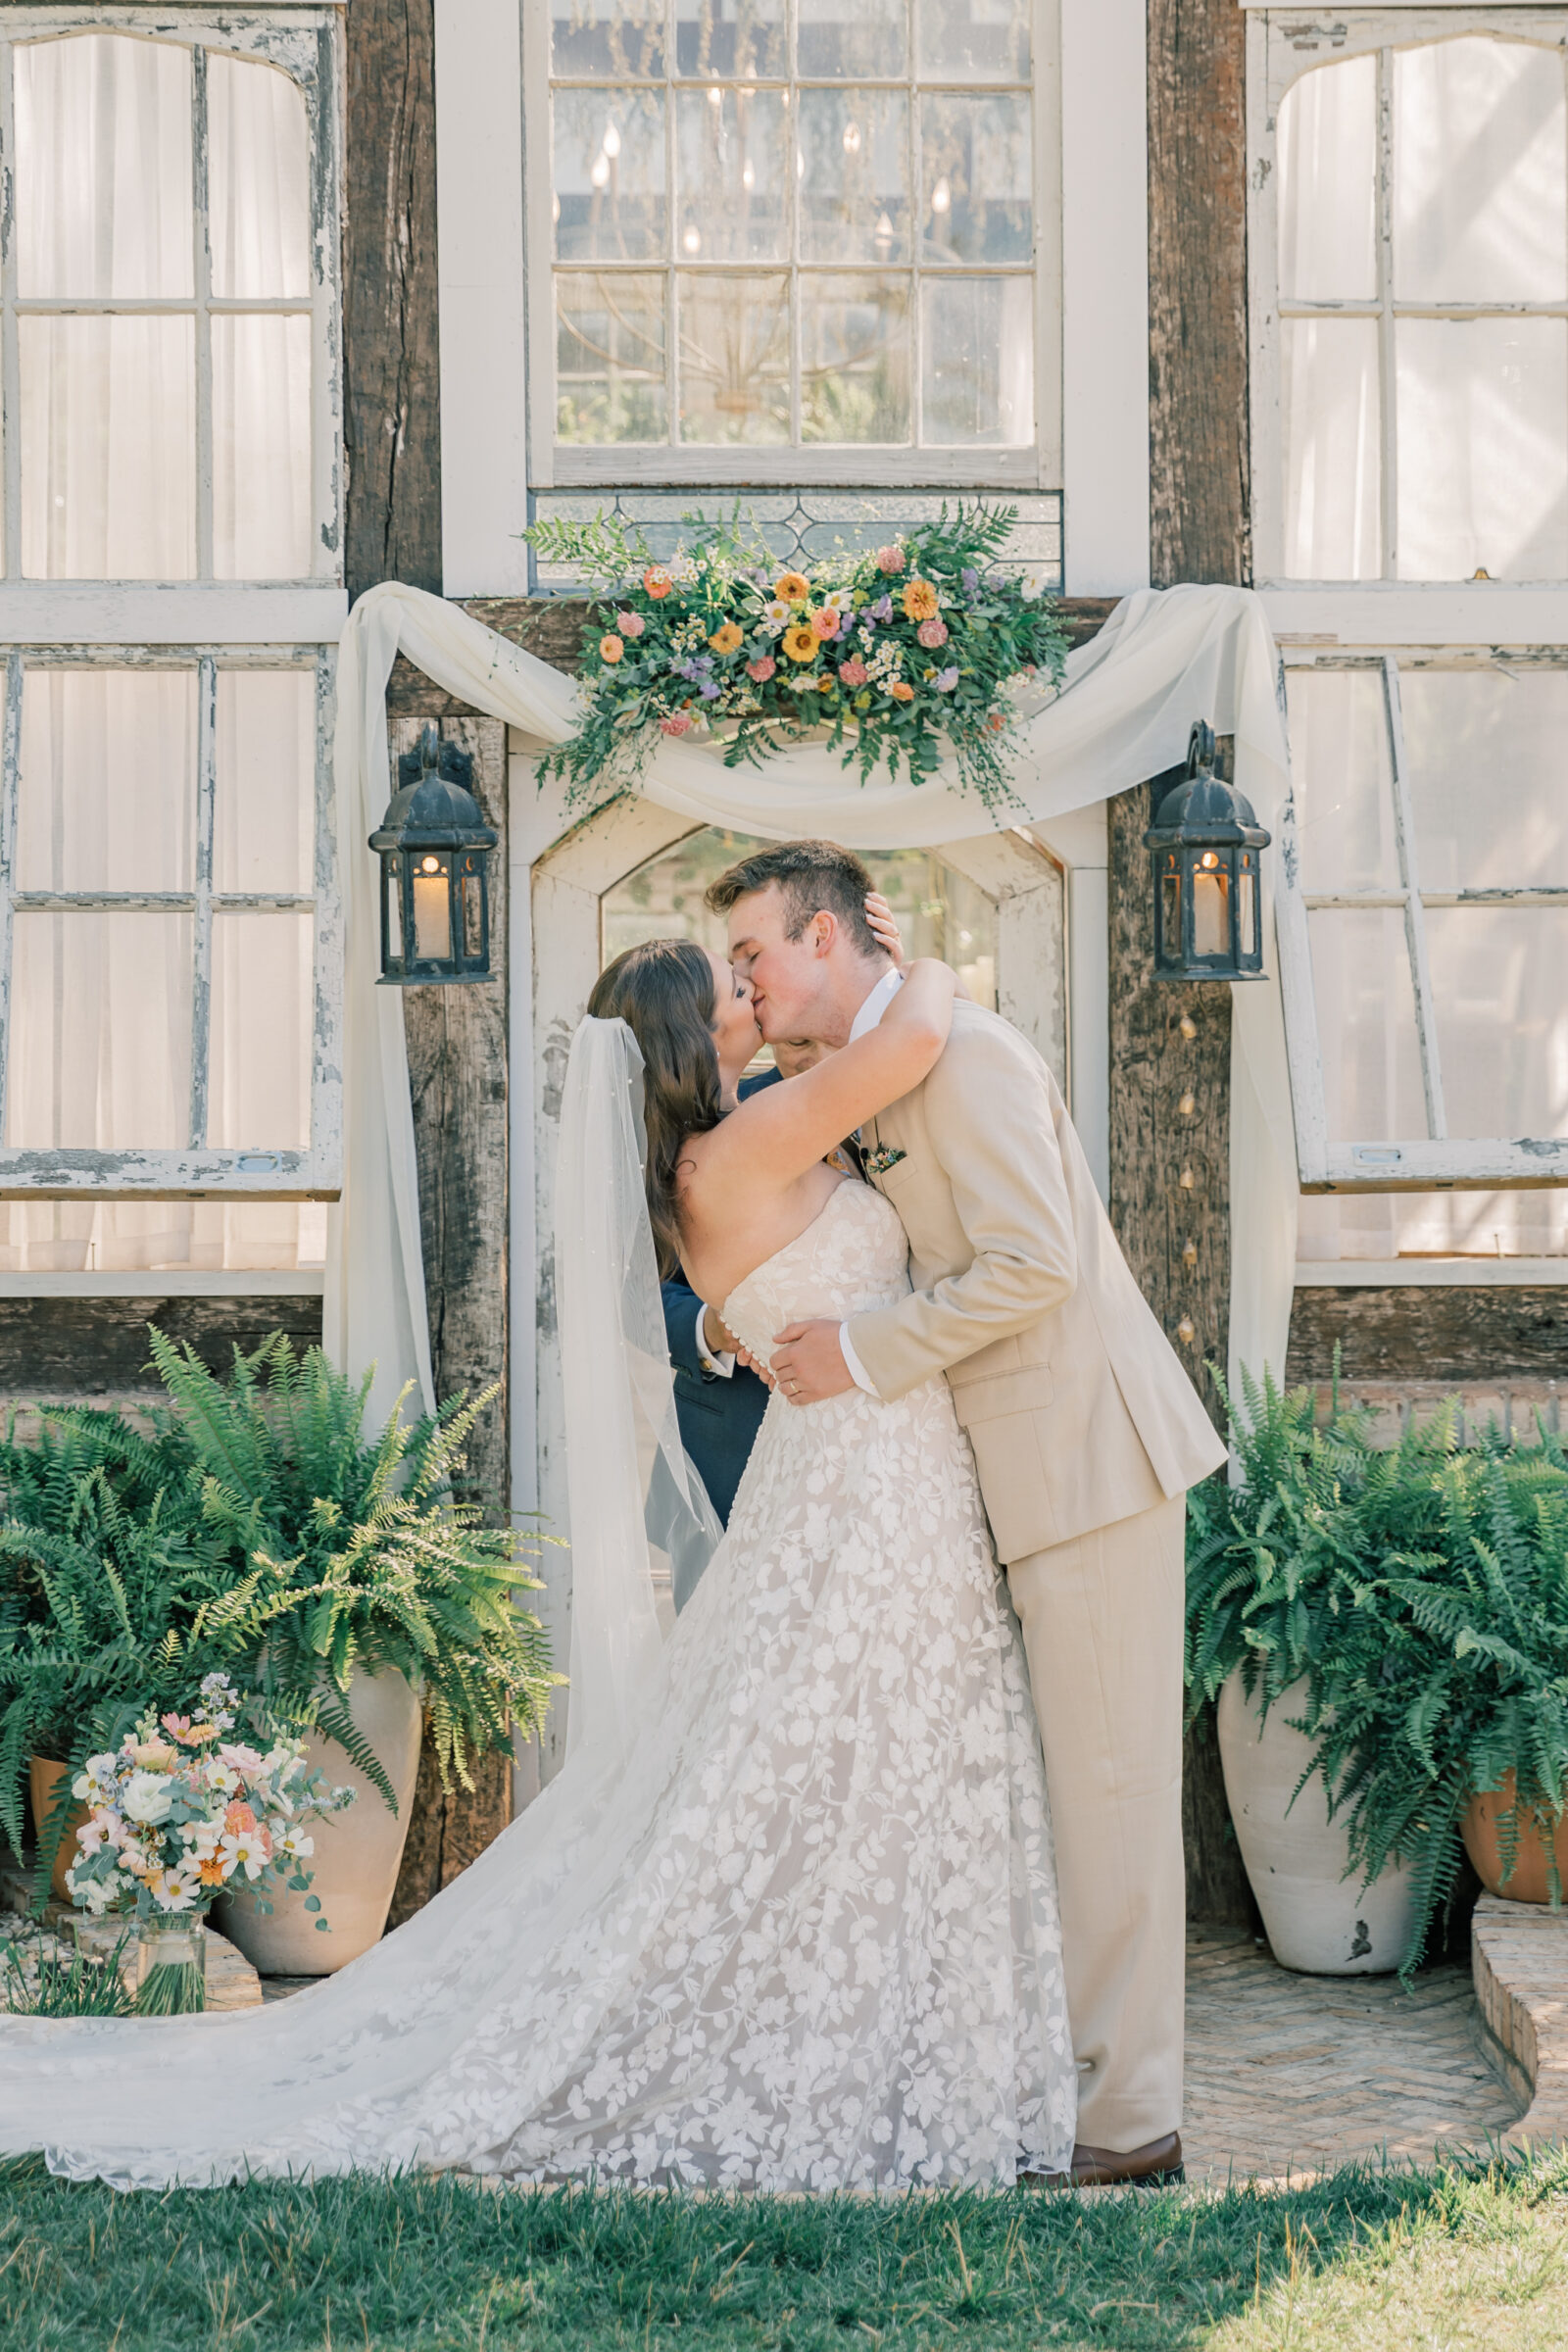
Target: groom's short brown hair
(814,877)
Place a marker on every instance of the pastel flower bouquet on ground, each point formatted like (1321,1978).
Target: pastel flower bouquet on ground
(181,1809)
(904,654)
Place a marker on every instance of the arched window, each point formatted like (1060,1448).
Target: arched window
(1409,242)
(168,931)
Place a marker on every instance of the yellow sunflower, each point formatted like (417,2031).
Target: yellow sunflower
(792,588)
(801,643)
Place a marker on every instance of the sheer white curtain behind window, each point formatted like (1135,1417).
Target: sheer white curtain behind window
(105,210)
(101,1030)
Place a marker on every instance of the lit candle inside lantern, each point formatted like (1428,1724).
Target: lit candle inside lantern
(432,912)
(1211,915)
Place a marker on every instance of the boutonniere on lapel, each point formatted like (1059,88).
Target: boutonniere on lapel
(887,1155)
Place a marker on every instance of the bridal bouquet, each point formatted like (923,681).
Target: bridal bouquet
(181,1809)
(915,651)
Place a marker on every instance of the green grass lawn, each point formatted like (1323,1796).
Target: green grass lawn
(1365,2262)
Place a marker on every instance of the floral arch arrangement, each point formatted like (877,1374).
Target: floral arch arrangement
(918,650)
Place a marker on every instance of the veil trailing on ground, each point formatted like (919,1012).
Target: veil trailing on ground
(632,1491)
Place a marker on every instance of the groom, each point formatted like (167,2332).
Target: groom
(1086,1435)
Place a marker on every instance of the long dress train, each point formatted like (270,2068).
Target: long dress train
(805,1936)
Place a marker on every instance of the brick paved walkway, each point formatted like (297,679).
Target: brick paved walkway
(1297,2074)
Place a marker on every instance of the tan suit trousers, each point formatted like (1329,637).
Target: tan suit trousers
(1102,1619)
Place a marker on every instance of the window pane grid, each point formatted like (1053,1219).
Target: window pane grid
(218,550)
(848,317)
(1453,960)
(1465,389)
(200,911)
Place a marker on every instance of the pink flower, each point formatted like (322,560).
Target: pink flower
(679,724)
(853,672)
(826,623)
(889,559)
(761,669)
(630,624)
(932,632)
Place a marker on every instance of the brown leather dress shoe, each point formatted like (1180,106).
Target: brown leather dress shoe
(1157,2164)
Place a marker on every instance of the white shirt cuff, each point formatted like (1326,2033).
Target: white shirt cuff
(856,1370)
(712,1360)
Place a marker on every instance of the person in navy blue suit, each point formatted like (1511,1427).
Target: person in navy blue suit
(719,1404)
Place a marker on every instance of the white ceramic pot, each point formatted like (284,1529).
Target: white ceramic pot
(1318,1920)
(358,1852)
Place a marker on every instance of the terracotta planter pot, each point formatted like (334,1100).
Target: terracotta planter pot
(45,1776)
(1482,1843)
(356,1851)
(1318,1920)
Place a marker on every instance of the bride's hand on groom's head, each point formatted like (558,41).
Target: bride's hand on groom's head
(884,926)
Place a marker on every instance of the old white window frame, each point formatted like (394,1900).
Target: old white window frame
(1384,623)
(201,624)
(631,464)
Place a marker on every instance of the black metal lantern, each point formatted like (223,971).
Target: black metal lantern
(434,847)
(1205,843)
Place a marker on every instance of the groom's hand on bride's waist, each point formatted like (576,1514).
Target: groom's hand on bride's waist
(809,1363)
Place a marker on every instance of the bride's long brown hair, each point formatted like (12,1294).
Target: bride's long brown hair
(664,991)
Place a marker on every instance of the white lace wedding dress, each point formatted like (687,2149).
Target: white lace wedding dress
(805,1936)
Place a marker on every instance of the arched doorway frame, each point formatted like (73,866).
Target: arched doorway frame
(564,885)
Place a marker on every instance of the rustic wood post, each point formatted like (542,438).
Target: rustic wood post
(457,1040)
(457,1036)
(1170,1046)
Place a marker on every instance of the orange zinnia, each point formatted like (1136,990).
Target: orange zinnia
(801,643)
(657,582)
(727,638)
(792,588)
(611,648)
(903,691)
(919,601)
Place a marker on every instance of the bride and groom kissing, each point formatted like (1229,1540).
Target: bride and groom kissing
(871,1877)
(1083,1427)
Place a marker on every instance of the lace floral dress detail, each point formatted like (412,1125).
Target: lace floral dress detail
(807,1939)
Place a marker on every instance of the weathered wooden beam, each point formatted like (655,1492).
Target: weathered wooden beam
(53,1349)
(1170,1166)
(457,1043)
(551,627)
(1478,1333)
(390,347)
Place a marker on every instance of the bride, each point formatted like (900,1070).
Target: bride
(787,1918)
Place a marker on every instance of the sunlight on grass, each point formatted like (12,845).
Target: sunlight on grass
(1441,2261)
(1479,2263)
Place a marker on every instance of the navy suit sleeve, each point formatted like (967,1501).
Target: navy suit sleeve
(681,1326)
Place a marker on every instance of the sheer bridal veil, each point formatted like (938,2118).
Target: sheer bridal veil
(631,1489)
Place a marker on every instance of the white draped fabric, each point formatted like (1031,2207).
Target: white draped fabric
(1163,659)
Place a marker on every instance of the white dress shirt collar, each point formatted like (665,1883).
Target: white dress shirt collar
(875,1005)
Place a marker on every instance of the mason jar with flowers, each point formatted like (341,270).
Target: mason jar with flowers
(184,1808)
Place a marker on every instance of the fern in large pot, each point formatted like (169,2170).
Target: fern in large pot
(383,1602)
(108,1577)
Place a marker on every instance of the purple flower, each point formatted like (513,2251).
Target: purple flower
(708,691)
(882,610)
(969,580)
(946,679)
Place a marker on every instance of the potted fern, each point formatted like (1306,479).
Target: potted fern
(1269,1563)
(258,1530)
(369,1597)
(107,1573)
(1440,1714)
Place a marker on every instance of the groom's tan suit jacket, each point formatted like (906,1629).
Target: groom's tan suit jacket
(1076,1406)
